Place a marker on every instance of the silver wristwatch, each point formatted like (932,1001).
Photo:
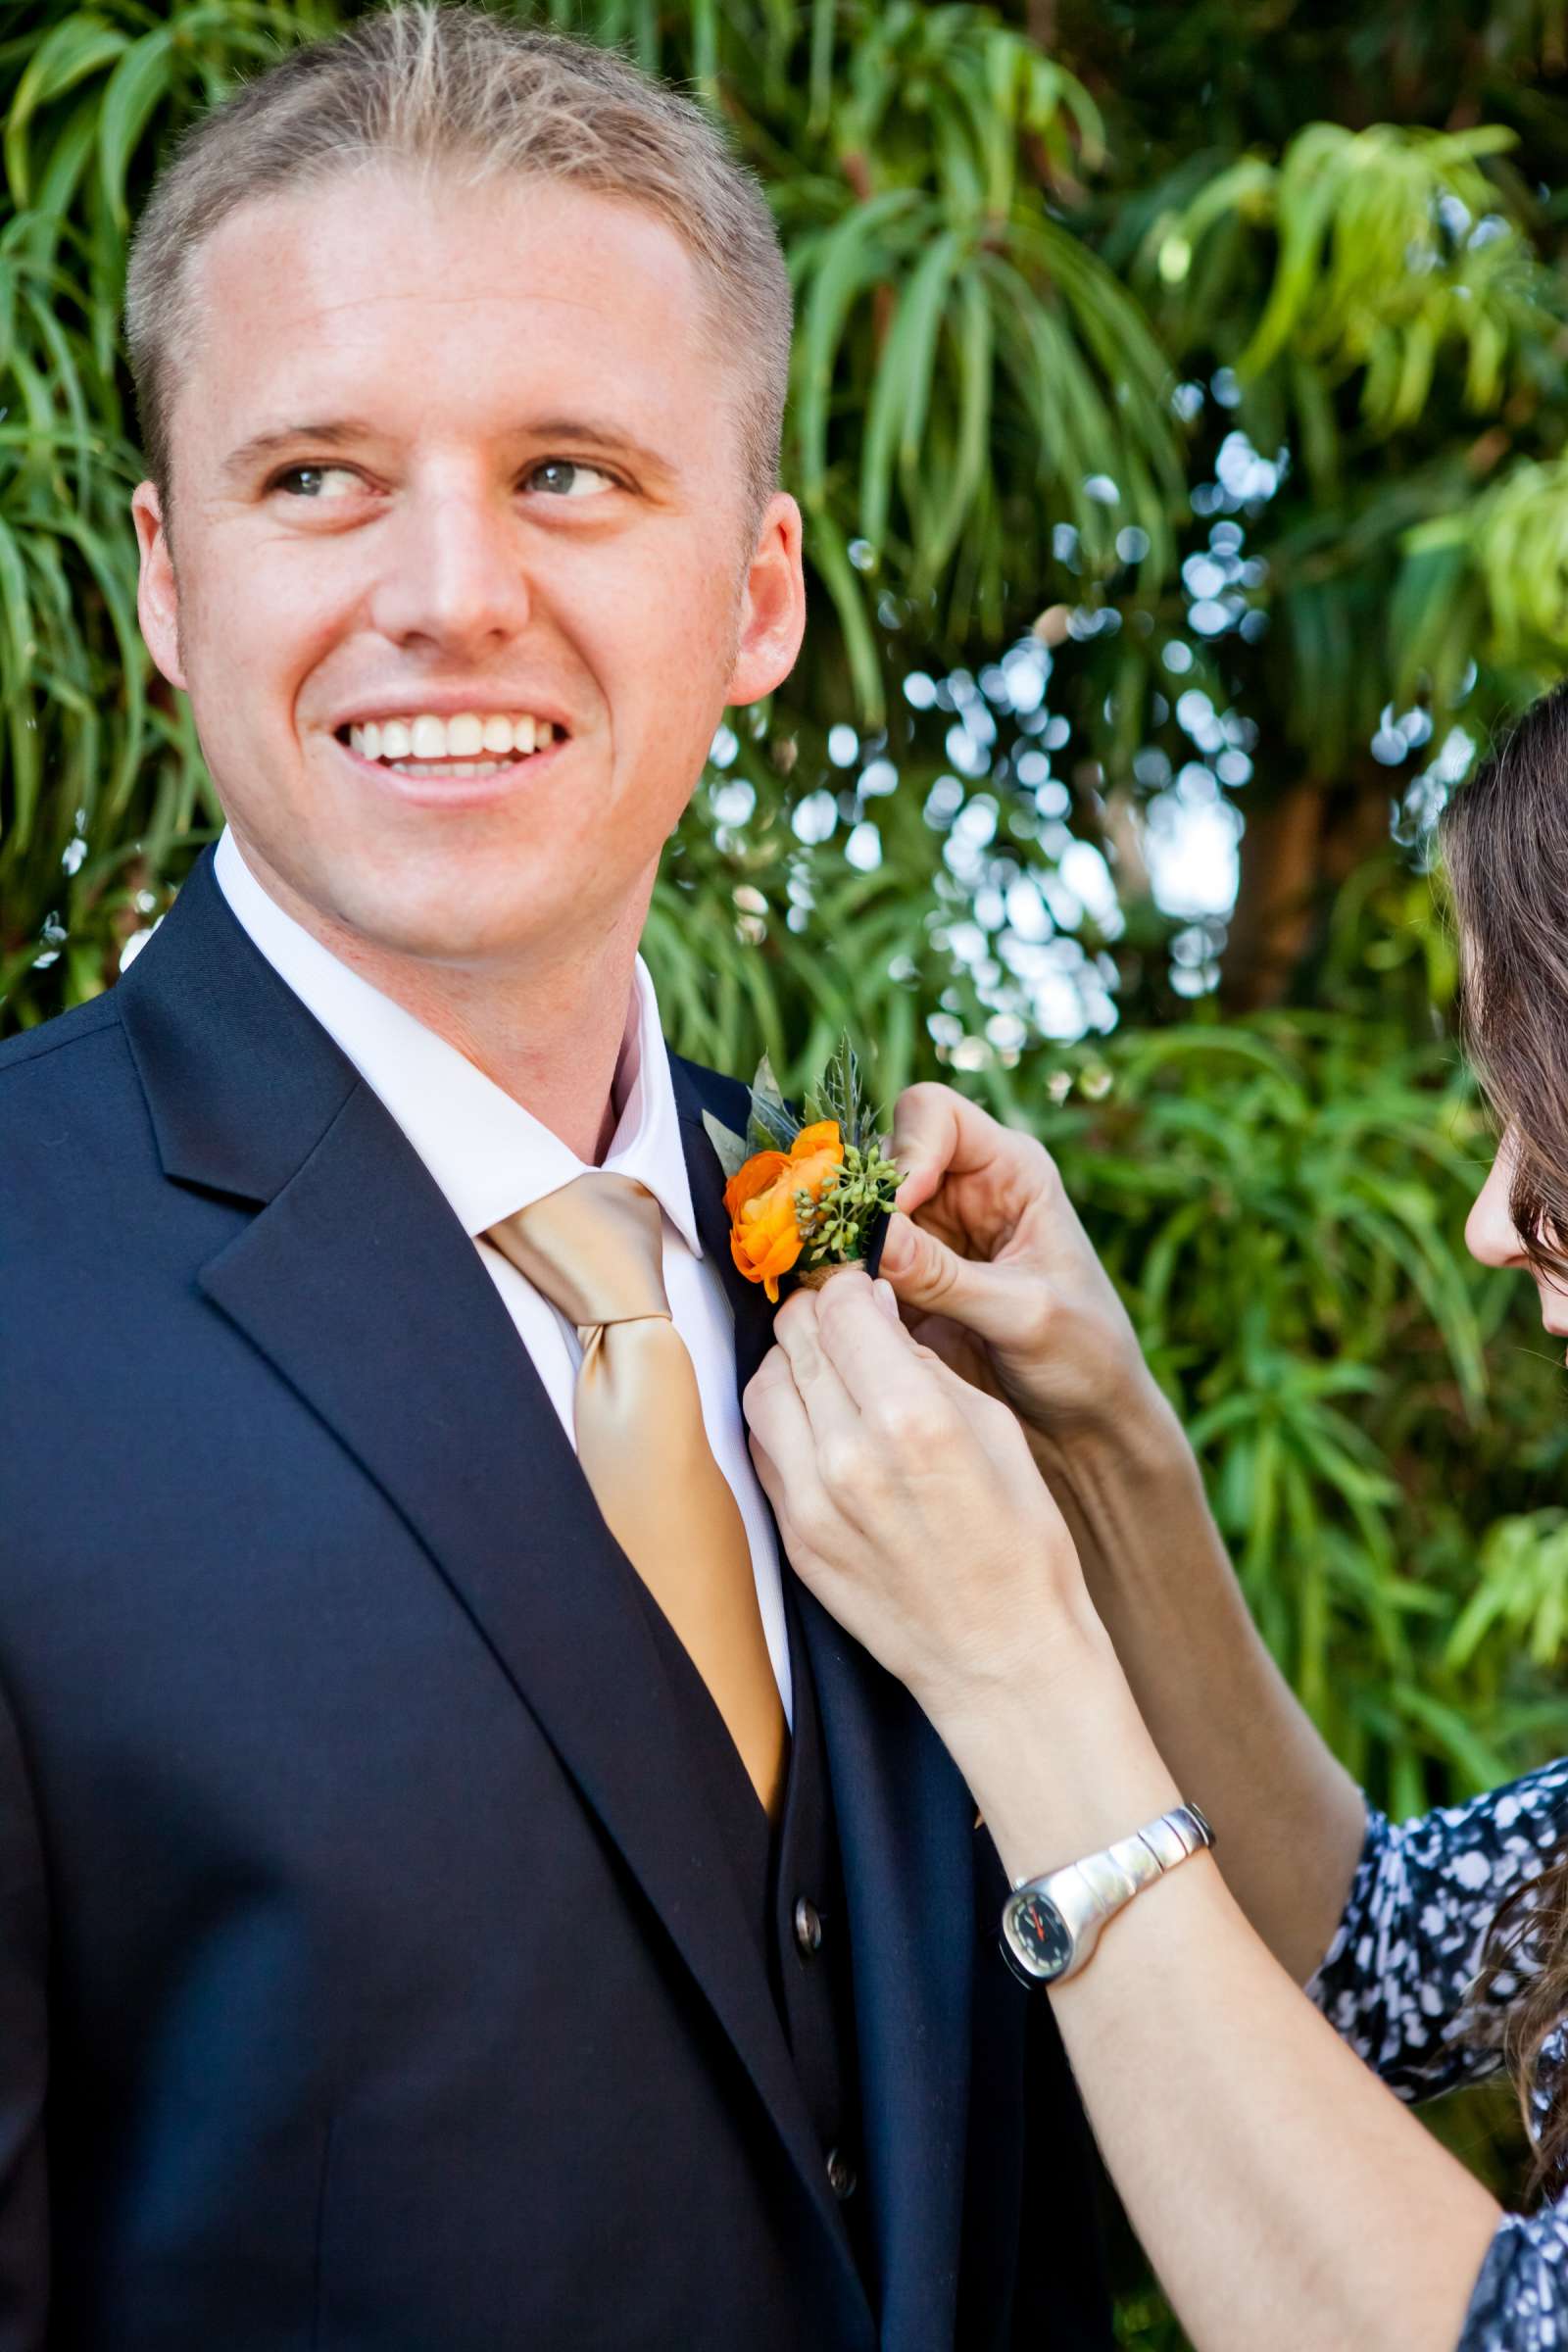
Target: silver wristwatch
(1049,1925)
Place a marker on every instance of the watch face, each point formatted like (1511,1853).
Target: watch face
(1041,1935)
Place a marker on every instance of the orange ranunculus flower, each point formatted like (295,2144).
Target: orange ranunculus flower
(763,1237)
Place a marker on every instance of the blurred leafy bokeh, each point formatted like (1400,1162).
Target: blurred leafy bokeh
(1179,417)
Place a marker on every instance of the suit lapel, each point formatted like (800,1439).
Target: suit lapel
(698,1090)
(356,1282)
(905,1824)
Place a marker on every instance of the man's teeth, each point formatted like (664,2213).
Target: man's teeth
(411,743)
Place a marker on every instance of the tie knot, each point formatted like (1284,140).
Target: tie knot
(595,1249)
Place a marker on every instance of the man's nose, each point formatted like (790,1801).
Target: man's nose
(454,570)
(1490,1232)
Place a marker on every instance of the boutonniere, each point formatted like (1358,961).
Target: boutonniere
(806,1196)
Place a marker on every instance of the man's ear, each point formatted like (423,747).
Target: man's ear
(773,617)
(157,592)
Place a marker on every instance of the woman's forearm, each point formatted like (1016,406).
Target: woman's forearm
(1284,2196)
(1291,1819)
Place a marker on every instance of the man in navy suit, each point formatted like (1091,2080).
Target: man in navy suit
(394,1955)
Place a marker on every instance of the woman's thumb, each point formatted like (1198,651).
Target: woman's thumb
(926,1274)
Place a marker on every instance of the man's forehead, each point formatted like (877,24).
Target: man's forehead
(378,241)
(533,303)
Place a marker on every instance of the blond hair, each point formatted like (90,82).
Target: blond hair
(461,97)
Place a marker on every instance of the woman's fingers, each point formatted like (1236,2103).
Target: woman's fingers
(877,1364)
(938,1133)
(828,1402)
(980,1175)
(931,1279)
(860,1378)
(925,1135)
(767,1474)
(783,1446)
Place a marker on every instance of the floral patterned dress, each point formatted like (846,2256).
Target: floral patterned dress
(1395,1983)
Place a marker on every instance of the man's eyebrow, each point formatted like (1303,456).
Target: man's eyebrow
(601,433)
(333,434)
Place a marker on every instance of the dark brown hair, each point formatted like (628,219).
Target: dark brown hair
(1506,841)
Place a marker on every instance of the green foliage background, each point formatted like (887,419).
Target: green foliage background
(1179,416)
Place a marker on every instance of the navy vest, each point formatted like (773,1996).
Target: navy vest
(790,1878)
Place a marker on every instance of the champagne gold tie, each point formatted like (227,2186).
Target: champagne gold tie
(595,1250)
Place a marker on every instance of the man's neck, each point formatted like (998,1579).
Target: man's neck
(547,1029)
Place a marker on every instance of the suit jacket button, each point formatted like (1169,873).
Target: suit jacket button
(840,2174)
(808,1927)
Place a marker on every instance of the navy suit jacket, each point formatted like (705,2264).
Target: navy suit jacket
(371,1980)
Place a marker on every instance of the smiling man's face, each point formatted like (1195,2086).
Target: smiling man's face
(460,452)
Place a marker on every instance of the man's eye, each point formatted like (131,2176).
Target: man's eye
(312,476)
(566,477)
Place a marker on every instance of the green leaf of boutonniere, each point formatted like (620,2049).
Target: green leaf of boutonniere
(838,1095)
(730,1146)
(773,1125)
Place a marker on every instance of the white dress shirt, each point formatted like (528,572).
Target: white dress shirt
(489,1157)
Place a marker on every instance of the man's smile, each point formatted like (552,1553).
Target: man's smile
(464,761)
(417,739)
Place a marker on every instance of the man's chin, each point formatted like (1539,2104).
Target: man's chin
(459,934)
(446,912)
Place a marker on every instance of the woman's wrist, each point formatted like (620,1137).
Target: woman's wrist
(1115,1468)
(1144,1532)
(1056,1755)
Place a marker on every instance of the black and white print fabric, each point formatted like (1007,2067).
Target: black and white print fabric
(1397,1983)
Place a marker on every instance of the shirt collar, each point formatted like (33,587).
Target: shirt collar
(487,1153)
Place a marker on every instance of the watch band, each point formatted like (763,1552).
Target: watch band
(1050,1925)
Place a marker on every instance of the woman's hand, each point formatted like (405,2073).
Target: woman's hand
(911,1505)
(995,1273)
